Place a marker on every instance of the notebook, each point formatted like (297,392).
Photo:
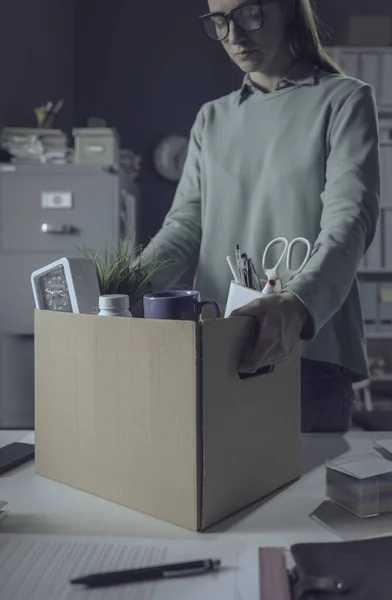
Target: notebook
(358,570)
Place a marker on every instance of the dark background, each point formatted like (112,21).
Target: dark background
(143,65)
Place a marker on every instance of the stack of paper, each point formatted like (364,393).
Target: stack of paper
(35,146)
(361,484)
(41,567)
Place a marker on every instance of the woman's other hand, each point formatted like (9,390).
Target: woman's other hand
(280,320)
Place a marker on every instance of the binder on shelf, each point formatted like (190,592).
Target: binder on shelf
(385,298)
(385,98)
(374,254)
(386,175)
(363,264)
(370,69)
(350,63)
(369,298)
(387,238)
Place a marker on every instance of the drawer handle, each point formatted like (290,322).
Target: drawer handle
(58,229)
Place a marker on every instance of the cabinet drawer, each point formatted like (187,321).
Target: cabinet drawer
(56,211)
(16,298)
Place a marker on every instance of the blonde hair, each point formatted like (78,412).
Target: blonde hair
(305,42)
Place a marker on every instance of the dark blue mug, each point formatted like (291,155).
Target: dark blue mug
(178,305)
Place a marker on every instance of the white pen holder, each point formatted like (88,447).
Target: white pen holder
(239,295)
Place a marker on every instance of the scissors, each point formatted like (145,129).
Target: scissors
(282,272)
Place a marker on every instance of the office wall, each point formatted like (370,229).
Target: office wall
(146,67)
(37,58)
(334,13)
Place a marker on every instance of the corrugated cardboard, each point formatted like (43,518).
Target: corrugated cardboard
(369,30)
(153,415)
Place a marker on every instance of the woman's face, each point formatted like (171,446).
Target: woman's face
(257,50)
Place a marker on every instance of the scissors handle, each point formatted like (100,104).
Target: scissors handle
(275,242)
(289,256)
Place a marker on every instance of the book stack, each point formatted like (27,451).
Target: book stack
(35,146)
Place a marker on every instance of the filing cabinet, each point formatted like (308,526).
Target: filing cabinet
(47,212)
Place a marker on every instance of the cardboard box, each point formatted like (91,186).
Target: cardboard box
(153,415)
(369,30)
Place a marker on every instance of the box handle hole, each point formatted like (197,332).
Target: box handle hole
(263,371)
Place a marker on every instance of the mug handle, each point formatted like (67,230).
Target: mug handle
(213,303)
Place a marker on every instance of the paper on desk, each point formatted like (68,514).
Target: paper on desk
(40,568)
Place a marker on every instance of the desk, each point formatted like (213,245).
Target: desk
(39,505)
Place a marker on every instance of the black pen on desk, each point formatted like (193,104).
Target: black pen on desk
(186,569)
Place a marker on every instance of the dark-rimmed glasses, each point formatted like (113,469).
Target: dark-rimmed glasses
(247,16)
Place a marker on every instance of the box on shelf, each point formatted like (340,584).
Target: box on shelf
(96,146)
(369,30)
(361,484)
(154,416)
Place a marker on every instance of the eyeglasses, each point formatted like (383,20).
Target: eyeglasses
(247,16)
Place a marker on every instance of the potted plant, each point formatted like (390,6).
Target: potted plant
(122,271)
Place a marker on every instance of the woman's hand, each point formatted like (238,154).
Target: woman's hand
(280,319)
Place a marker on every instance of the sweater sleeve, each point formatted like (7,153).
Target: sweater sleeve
(350,210)
(178,241)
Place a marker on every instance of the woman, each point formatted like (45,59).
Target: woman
(293,153)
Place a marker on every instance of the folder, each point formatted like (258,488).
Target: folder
(350,570)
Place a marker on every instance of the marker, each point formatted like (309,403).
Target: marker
(249,273)
(233,269)
(238,260)
(244,272)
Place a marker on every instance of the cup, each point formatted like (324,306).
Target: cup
(238,296)
(178,305)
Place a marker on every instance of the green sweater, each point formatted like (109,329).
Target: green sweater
(302,160)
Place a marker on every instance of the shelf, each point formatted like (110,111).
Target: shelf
(375,274)
(378,335)
(387,378)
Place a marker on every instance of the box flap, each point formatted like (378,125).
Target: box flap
(116,410)
(251,427)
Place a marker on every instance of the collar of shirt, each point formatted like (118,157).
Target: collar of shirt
(301,73)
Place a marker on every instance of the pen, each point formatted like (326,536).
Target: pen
(233,269)
(258,283)
(249,273)
(186,569)
(244,279)
(238,256)
(239,263)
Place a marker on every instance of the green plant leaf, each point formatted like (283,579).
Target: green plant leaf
(120,271)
